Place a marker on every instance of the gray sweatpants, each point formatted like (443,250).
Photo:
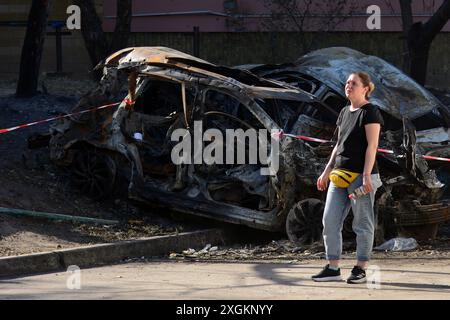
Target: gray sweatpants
(337,207)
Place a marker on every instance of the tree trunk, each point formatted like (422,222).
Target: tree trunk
(123,25)
(30,60)
(418,53)
(407,21)
(91,28)
(93,35)
(420,36)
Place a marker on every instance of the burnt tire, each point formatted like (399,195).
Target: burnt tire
(304,221)
(93,173)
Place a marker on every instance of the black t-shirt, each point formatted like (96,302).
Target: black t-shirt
(352,143)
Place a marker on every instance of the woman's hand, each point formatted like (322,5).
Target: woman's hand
(322,181)
(367,183)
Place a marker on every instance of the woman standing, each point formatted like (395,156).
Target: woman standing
(352,164)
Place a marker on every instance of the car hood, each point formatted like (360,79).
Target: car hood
(168,59)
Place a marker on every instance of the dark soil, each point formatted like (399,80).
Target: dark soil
(30,181)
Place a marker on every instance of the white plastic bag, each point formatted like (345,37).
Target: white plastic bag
(398,244)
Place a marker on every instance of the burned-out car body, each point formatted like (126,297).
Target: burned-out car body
(132,145)
(415,191)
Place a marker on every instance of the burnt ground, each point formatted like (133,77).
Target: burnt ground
(30,181)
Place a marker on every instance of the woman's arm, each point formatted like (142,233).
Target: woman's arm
(332,160)
(322,181)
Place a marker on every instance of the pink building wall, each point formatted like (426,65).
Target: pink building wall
(183,15)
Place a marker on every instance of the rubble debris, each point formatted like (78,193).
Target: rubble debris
(205,249)
(279,249)
(130,149)
(189,252)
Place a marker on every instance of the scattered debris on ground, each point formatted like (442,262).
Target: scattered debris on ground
(287,251)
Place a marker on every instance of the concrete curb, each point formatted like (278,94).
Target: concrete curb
(107,253)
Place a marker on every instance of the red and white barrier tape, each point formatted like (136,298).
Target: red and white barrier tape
(129,102)
(436,158)
(58,117)
(305,138)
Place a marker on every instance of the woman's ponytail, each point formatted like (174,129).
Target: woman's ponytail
(366,81)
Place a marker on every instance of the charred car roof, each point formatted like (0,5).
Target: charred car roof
(395,93)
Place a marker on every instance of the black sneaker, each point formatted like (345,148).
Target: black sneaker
(328,274)
(358,275)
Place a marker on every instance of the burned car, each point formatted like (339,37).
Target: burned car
(129,149)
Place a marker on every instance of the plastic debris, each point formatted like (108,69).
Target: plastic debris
(189,251)
(138,136)
(205,249)
(398,244)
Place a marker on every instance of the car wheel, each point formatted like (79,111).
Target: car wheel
(93,173)
(304,221)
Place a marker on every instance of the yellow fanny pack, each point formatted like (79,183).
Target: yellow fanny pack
(342,178)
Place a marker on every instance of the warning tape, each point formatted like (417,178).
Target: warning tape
(436,158)
(129,102)
(58,117)
(305,138)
